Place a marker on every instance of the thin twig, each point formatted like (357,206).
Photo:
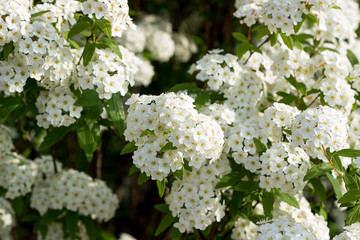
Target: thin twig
(314,100)
(252,52)
(29,140)
(54,159)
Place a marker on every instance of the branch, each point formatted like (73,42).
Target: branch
(252,51)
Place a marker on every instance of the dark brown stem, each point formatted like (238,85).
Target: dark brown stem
(54,159)
(314,100)
(252,52)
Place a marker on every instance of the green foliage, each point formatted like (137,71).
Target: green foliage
(53,137)
(317,171)
(88,52)
(161,187)
(128,148)
(112,45)
(116,112)
(164,224)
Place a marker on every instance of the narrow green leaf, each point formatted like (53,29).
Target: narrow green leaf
(86,139)
(142,178)
(162,207)
(298,85)
(262,33)
(260,147)
(348,153)
(133,169)
(298,45)
(298,25)
(288,41)
(39,13)
(312,19)
(242,49)
(94,112)
(164,224)
(352,57)
(112,45)
(179,173)
(71,222)
(50,216)
(336,185)
(88,53)
(147,132)
(274,38)
(168,146)
(7,49)
(80,26)
(317,171)
(239,36)
(175,234)
(128,148)
(161,187)
(230,179)
(335,159)
(351,182)
(353,215)
(53,137)
(88,98)
(319,189)
(351,195)
(105,27)
(236,202)
(90,226)
(248,186)
(289,199)
(336,7)
(268,200)
(116,112)
(8,105)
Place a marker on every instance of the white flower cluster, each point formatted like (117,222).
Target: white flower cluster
(241,85)
(244,230)
(184,47)
(55,232)
(279,14)
(319,127)
(106,73)
(223,115)
(170,119)
(284,168)
(195,200)
(56,107)
(74,191)
(7,219)
(17,175)
(303,216)
(115,11)
(351,232)
(283,229)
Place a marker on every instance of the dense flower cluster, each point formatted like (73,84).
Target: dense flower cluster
(74,191)
(278,14)
(319,127)
(195,200)
(55,232)
(7,219)
(244,230)
(167,129)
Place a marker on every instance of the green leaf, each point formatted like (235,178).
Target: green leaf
(268,200)
(239,36)
(351,182)
(88,98)
(175,234)
(112,45)
(50,216)
(105,27)
(133,169)
(260,147)
(86,139)
(298,25)
(287,98)
(162,207)
(336,185)
(242,49)
(302,37)
(88,53)
(71,223)
(94,113)
(80,26)
(128,148)
(312,19)
(336,7)
(351,195)
(116,112)
(335,159)
(298,85)
(164,224)
(263,31)
(39,13)
(348,153)
(298,45)
(289,199)
(248,186)
(8,105)
(53,137)
(236,202)
(147,132)
(161,187)
(274,38)
(142,178)
(352,57)
(90,226)
(353,215)
(319,189)
(7,49)
(230,179)
(30,218)
(318,170)
(179,173)
(168,146)
(288,41)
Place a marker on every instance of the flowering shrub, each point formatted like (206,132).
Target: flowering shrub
(260,143)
